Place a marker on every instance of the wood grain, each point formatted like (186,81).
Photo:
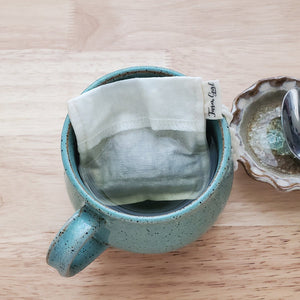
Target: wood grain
(50,51)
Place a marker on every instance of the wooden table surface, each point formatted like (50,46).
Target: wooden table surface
(50,51)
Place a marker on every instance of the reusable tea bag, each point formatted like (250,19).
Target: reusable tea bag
(145,138)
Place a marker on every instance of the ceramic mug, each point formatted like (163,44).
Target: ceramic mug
(95,226)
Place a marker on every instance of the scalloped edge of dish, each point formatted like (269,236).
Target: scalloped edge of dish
(240,104)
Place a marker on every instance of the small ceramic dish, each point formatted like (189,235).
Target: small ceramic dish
(262,148)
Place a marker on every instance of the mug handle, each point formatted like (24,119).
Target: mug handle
(75,247)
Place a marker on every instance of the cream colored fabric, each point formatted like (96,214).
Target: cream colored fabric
(143,139)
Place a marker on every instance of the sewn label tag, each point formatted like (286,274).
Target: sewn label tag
(212,100)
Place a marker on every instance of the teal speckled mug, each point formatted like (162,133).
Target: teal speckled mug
(95,226)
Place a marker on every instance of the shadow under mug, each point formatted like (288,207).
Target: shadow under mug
(95,226)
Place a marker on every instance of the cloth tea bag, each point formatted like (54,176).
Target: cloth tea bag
(145,138)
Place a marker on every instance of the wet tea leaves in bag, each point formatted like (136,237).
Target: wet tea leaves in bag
(143,139)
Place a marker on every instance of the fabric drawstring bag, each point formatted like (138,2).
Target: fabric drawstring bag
(145,138)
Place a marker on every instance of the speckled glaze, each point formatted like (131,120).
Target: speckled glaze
(94,226)
(262,147)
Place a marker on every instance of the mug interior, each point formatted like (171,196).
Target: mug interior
(215,137)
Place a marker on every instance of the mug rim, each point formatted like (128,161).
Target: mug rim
(177,213)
